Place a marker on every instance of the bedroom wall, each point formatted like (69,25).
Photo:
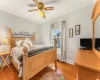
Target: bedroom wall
(80,16)
(17,24)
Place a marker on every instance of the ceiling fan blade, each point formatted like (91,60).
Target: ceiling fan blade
(50,1)
(42,14)
(32,10)
(32,5)
(48,8)
(46,2)
(36,2)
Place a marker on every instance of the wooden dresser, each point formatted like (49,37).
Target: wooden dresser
(88,64)
(88,61)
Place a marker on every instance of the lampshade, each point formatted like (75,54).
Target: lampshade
(41,13)
(5,42)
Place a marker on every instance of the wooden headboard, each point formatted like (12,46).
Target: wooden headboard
(12,39)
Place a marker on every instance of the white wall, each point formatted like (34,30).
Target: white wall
(17,24)
(81,16)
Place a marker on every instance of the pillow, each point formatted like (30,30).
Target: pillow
(26,45)
(27,42)
(19,43)
(33,42)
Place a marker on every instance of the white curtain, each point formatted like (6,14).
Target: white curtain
(63,42)
(61,52)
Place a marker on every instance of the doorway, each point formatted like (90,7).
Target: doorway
(58,31)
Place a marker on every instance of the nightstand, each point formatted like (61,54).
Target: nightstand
(4,59)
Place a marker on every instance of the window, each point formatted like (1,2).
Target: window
(56,33)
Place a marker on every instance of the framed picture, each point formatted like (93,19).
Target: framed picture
(71,33)
(77,29)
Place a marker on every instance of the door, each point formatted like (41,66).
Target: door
(56,33)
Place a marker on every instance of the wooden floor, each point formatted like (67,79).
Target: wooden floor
(69,72)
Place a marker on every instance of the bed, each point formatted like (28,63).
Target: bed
(31,65)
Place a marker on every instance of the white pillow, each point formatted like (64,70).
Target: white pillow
(33,42)
(26,45)
(18,43)
(28,42)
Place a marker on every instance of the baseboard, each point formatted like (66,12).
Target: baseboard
(70,61)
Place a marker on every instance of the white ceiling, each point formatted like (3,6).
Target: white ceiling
(20,8)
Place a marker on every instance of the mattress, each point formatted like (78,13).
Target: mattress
(36,51)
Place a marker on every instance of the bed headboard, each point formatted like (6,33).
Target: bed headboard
(19,36)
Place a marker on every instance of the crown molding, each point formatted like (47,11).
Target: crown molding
(72,10)
(78,7)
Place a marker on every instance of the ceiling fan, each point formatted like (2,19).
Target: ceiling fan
(41,7)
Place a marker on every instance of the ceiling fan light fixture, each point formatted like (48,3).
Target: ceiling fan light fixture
(41,13)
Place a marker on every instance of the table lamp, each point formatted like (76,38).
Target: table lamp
(4,42)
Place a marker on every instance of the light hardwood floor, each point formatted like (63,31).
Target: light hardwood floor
(69,72)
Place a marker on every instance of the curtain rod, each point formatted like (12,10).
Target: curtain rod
(56,23)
